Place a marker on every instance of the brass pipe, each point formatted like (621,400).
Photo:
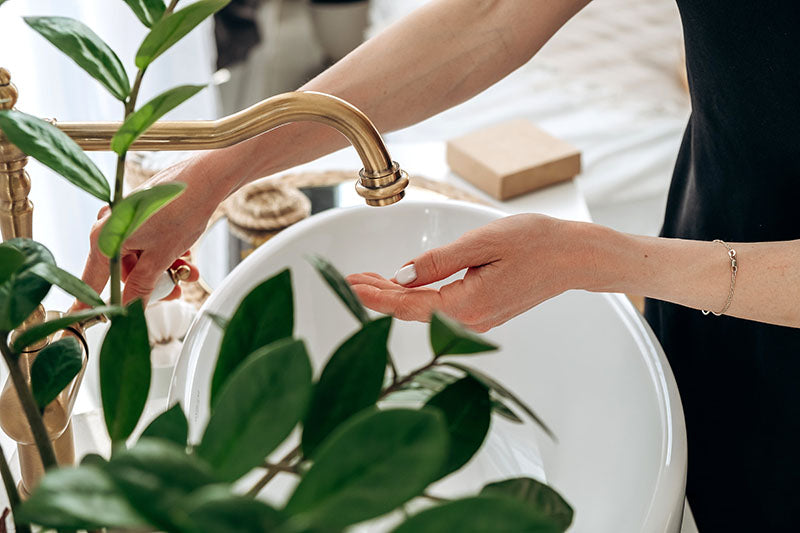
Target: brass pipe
(381,181)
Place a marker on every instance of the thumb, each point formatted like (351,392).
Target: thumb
(440,263)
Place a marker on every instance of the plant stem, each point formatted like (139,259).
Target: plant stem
(395,375)
(272,472)
(399,383)
(115,263)
(11,491)
(280,468)
(29,407)
(171,7)
(436,499)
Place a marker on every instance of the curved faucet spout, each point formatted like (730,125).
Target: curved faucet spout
(381,182)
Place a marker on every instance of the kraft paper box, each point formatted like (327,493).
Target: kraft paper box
(512,158)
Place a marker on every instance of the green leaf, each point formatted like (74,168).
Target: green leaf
(534,494)
(93,459)
(502,392)
(433,380)
(351,381)
(370,465)
(138,122)
(78,498)
(500,408)
(425,384)
(170,425)
(88,50)
(132,212)
(340,286)
(448,337)
(53,369)
(125,371)
(264,316)
(479,515)
(215,508)
(45,329)
(10,261)
(257,408)
(147,11)
(156,476)
(467,411)
(219,320)
(172,28)
(54,149)
(72,285)
(21,294)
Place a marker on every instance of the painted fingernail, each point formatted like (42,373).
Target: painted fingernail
(406,275)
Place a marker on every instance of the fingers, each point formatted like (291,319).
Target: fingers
(418,303)
(437,264)
(174,295)
(95,272)
(128,261)
(369,278)
(402,303)
(142,278)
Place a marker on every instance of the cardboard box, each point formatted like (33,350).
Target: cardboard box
(512,158)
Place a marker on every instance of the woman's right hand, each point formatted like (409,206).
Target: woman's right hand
(164,237)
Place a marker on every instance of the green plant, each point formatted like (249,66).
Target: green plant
(360,455)
(357,459)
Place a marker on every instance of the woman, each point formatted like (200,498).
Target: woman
(737,179)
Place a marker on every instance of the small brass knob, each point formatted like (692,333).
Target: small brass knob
(180,273)
(8,93)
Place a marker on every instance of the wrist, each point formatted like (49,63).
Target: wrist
(596,257)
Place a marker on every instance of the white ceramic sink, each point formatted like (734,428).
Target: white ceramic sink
(587,363)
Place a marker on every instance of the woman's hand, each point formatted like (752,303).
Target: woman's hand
(512,265)
(163,238)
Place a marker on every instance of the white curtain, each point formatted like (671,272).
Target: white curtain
(51,85)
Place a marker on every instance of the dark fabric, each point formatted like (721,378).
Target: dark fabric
(236,31)
(737,178)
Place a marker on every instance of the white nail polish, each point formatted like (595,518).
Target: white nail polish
(164,287)
(406,275)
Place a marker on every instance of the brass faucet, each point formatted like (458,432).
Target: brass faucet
(380,183)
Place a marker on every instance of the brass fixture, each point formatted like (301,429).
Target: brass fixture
(381,182)
(16,216)
(57,415)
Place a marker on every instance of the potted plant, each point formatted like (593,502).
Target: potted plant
(355,459)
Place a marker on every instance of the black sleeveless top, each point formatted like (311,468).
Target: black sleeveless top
(737,178)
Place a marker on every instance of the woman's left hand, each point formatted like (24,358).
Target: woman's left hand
(512,265)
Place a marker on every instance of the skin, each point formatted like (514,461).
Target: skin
(438,57)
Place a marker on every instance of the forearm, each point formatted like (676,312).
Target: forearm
(437,57)
(697,274)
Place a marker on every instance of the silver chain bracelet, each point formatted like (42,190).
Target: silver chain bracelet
(734,269)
